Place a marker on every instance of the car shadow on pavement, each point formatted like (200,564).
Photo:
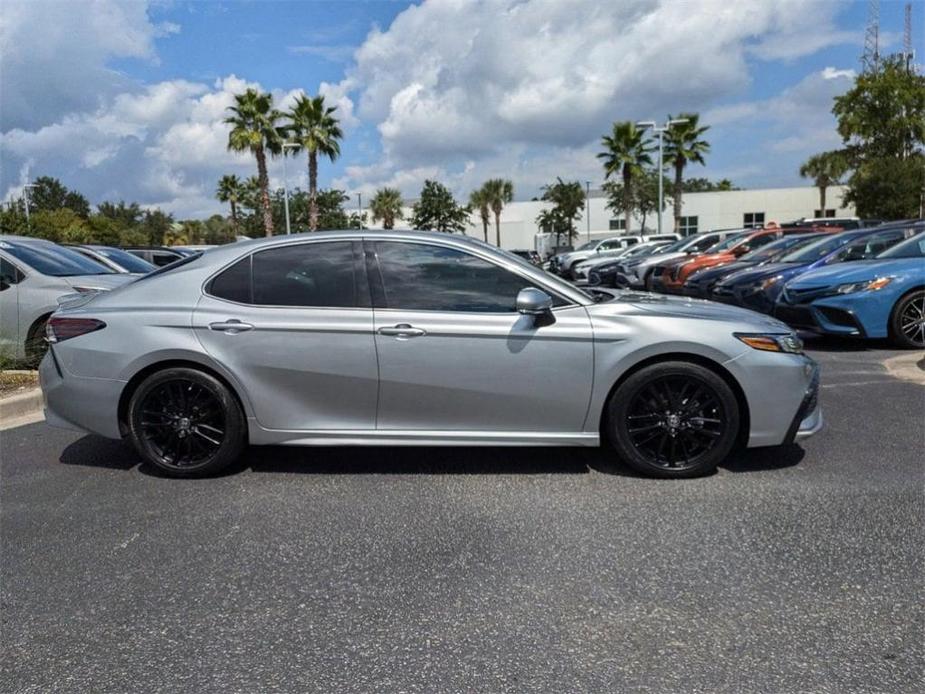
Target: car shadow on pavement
(95,451)
(830,343)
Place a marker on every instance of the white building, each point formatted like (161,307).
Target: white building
(702,212)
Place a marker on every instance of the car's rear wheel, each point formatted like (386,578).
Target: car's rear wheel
(673,419)
(36,345)
(186,423)
(907,321)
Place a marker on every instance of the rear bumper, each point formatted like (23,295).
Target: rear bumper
(83,404)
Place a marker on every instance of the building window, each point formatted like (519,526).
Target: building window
(617,224)
(687,225)
(817,214)
(753,220)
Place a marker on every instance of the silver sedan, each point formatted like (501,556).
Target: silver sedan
(409,338)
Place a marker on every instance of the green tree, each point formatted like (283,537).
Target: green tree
(255,129)
(684,144)
(60,225)
(124,215)
(627,151)
(705,185)
(230,190)
(50,194)
(386,205)
(643,197)
(314,128)
(498,192)
(13,219)
(826,169)
(478,200)
(437,210)
(881,120)
(106,230)
(133,237)
(568,200)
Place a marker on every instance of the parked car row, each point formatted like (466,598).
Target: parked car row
(866,282)
(563,263)
(35,274)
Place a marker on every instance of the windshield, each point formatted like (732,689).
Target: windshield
(173,266)
(54,261)
(772,250)
(727,243)
(677,245)
(587,245)
(130,262)
(910,248)
(817,250)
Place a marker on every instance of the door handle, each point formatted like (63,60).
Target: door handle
(402,330)
(232,326)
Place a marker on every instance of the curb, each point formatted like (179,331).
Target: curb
(20,405)
(907,367)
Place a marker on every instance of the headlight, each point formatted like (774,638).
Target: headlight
(770,281)
(789,343)
(866,286)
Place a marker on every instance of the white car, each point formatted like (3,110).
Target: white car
(581,270)
(602,248)
(34,274)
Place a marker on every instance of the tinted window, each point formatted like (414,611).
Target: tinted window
(703,243)
(433,278)
(234,283)
(53,260)
(870,246)
(126,260)
(758,242)
(8,273)
(162,258)
(311,274)
(817,250)
(910,248)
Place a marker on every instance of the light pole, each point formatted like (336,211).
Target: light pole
(588,206)
(660,130)
(287,145)
(360,209)
(25,198)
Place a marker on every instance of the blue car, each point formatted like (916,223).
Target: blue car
(883,297)
(757,288)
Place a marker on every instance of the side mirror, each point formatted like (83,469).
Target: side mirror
(533,302)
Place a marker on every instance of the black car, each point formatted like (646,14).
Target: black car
(531,257)
(159,255)
(700,284)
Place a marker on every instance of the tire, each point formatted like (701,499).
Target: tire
(35,345)
(673,420)
(907,329)
(186,423)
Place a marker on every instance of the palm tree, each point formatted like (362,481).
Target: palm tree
(386,205)
(683,144)
(826,169)
(231,190)
(626,153)
(313,127)
(498,191)
(254,128)
(479,201)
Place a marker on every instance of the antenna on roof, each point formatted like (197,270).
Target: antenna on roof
(870,59)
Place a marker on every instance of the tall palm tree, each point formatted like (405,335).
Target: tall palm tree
(683,144)
(231,190)
(498,191)
(626,152)
(254,129)
(313,127)
(479,201)
(386,205)
(826,169)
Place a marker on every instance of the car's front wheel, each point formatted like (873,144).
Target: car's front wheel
(673,419)
(186,423)
(907,321)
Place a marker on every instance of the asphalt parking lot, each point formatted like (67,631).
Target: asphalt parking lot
(490,570)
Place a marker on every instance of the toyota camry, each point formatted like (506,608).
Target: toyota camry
(410,338)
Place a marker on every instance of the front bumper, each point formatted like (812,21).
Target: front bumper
(808,419)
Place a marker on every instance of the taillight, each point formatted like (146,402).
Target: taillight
(60,328)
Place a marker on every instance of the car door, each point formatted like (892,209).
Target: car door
(294,325)
(10,277)
(455,355)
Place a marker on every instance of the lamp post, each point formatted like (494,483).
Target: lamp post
(287,145)
(660,130)
(588,206)
(25,198)
(360,209)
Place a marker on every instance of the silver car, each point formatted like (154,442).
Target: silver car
(115,258)
(638,272)
(34,274)
(416,339)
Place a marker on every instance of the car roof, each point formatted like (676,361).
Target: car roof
(26,240)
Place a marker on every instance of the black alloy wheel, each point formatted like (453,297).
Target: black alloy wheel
(908,321)
(674,419)
(186,423)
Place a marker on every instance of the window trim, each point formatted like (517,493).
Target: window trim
(360,277)
(377,286)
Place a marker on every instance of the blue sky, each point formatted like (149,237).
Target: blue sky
(125,100)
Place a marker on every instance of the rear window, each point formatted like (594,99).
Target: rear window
(234,283)
(55,261)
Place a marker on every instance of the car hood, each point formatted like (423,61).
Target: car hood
(857,271)
(756,274)
(104,282)
(727,269)
(664,306)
